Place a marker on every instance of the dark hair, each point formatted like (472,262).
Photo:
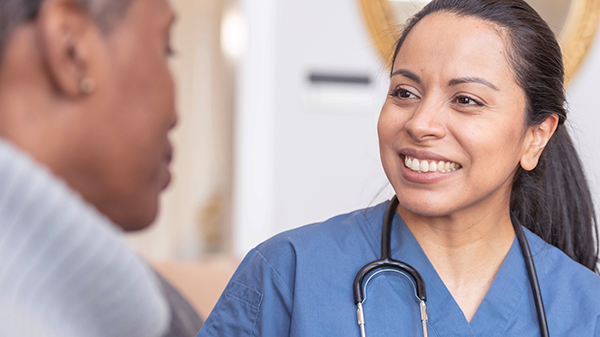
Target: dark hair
(14,12)
(554,199)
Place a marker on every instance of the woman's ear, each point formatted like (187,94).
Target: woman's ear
(67,35)
(535,141)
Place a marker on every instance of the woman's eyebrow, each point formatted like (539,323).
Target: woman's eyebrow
(408,74)
(414,77)
(462,80)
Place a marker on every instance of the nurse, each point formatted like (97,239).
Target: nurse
(472,139)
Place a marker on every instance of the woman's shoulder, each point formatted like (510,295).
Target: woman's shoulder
(564,280)
(553,261)
(329,244)
(338,230)
(262,291)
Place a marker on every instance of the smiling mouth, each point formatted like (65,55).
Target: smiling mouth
(425,166)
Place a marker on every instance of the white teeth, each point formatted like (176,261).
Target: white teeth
(440,166)
(415,166)
(425,166)
(433,166)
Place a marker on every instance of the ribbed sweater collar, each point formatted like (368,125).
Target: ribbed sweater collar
(65,268)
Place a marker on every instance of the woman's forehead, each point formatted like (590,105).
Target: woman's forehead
(453,46)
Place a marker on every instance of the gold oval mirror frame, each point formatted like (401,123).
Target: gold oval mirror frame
(575,37)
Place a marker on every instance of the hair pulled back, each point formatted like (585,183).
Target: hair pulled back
(553,200)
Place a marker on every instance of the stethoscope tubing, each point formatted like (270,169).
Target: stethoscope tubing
(386,262)
(533,279)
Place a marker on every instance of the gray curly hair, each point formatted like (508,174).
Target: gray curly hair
(14,12)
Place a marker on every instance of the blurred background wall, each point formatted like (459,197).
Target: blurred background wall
(279,130)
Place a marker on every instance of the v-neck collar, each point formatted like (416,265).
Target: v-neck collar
(445,316)
(500,303)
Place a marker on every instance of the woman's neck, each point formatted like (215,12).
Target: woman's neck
(466,250)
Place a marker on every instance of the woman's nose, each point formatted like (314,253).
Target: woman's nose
(426,122)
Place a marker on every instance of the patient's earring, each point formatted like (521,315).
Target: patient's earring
(87,85)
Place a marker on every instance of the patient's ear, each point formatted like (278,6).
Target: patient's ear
(536,139)
(68,37)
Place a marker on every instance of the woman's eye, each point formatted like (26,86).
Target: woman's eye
(402,93)
(464,100)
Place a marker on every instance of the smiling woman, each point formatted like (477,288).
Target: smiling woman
(492,221)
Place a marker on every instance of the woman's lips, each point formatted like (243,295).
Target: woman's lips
(167,158)
(169,153)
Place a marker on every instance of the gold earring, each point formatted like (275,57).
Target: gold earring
(87,85)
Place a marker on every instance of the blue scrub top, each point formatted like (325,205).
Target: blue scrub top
(299,283)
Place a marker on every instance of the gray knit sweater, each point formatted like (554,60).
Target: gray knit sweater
(65,269)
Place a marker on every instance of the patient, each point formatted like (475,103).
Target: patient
(86,105)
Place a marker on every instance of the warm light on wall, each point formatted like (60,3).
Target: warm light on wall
(234,34)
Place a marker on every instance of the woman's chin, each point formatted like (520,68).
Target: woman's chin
(425,208)
(136,215)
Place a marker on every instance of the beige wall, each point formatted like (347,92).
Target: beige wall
(195,209)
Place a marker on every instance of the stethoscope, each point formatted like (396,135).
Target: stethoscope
(387,264)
